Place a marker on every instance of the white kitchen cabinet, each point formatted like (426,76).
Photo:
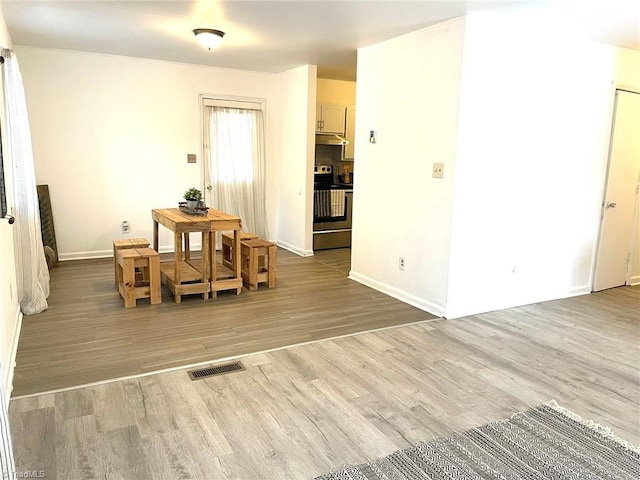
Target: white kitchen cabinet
(350,134)
(330,118)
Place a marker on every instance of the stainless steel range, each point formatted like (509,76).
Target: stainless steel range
(332,208)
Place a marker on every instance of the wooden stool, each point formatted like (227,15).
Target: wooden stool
(124,244)
(148,261)
(227,247)
(255,268)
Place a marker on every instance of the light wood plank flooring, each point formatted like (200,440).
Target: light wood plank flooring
(87,335)
(302,411)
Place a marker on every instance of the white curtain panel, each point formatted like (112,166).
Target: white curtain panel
(7,466)
(31,265)
(237,165)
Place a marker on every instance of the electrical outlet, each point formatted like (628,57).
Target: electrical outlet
(438,170)
(125,227)
(401,263)
(191,158)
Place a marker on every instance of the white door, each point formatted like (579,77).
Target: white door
(234,160)
(617,240)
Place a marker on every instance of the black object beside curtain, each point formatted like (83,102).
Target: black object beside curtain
(48,230)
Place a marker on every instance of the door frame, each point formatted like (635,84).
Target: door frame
(615,87)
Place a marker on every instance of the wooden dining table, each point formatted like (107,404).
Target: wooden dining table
(187,275)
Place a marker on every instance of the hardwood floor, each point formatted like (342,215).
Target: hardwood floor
(299,412)
(88,336)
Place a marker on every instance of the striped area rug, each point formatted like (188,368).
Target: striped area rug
(546,442)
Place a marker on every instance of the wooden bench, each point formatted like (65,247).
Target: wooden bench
(123,244)
(258,259)
(148,261)
(227,247)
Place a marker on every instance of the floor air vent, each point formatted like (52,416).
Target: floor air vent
(215,370)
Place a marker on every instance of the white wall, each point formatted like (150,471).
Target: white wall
(297,99)
(521,121)
(532,151)
(10,316)
(111,135)
(407,91)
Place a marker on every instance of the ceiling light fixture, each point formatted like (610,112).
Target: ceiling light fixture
(208,37)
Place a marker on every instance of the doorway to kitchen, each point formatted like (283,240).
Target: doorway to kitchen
(338,259)
(334,172)
(618,255)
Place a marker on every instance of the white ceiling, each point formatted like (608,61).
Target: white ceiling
(274,36)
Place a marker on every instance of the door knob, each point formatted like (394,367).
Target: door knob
(611,205)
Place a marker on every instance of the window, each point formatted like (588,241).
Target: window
(234,144)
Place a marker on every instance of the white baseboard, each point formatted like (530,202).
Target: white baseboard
(13,351)
(574,292)
(518,302)
(422,304)
(63,257)
(635,280)
(294,249)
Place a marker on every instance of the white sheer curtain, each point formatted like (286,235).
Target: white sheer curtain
(237,164)
(31,266)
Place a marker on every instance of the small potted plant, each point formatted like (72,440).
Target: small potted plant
(193,196)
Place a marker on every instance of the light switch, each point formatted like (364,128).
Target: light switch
(438,170)
(191,158)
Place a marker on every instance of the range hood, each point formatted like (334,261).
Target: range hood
(330,139)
